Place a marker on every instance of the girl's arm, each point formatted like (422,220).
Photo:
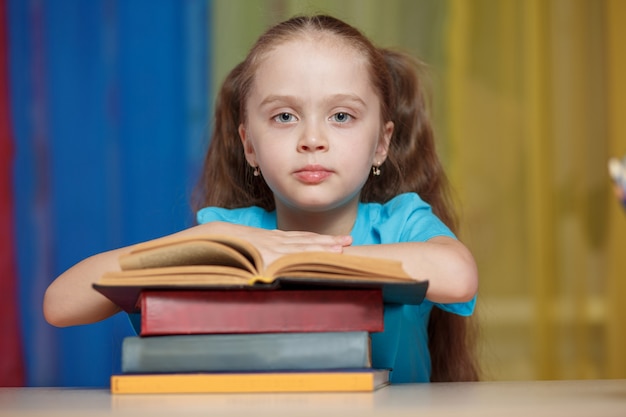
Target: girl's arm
(445,262)
(71,300)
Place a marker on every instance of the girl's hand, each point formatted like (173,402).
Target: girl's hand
(275,243)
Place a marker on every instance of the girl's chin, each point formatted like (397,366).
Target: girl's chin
(310,204)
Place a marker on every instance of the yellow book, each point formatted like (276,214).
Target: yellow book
(352,380)
(216,261)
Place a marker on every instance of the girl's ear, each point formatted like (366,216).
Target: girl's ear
(248,148)
(383,143)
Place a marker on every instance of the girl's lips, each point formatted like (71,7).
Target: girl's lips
(312,174)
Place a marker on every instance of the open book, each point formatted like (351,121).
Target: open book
(226,262)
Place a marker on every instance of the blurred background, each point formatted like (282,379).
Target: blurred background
(105,110)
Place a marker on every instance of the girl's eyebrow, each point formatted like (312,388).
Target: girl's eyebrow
(276,98)
(346,98)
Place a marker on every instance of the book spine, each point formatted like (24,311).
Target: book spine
(245,311)
(246,352)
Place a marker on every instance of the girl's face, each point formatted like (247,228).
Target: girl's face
(313,124)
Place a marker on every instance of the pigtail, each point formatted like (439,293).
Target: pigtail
(452,345)
(414,166)
(226,179)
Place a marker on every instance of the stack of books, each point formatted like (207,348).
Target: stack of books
(215,319)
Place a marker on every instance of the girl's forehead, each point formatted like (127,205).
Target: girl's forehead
(311,48)
(309,57)
(318,41)
(311,71)
(311,68)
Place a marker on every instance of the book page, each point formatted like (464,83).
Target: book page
(191,275)
(335,265)
(190,252)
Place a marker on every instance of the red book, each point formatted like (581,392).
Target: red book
(273,311)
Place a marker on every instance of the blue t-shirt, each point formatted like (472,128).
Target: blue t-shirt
(403,345)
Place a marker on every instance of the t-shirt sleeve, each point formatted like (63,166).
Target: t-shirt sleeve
(214,214)
(422,224)
(462,309)
(408,218)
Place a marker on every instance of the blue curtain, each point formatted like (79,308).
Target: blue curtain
(109,109)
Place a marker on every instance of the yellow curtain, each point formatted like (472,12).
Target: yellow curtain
(615,32)
(534,115)
(530,103)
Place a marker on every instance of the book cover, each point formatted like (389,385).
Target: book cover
(210,261)
(280,311)
(246,352)
(352,380)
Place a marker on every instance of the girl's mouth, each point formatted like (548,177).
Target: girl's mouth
(312,174)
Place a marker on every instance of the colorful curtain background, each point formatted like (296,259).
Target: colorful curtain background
(109,104)
(109,110)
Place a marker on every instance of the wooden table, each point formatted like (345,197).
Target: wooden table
(529,399)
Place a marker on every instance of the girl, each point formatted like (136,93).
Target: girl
(322,142)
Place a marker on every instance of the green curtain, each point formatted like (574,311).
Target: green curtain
(528,107)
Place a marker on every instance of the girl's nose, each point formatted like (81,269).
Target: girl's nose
(312,140)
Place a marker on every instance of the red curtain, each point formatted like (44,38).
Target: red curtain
(11,358)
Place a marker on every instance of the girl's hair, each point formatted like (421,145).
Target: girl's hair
(412,163)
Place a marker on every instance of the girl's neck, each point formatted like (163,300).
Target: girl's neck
(338,221)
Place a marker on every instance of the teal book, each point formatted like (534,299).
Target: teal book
(246,352)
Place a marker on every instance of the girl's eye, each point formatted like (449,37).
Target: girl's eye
(341,117)
(284,118)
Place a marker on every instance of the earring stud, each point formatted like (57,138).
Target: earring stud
(257,171)
(375,170)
